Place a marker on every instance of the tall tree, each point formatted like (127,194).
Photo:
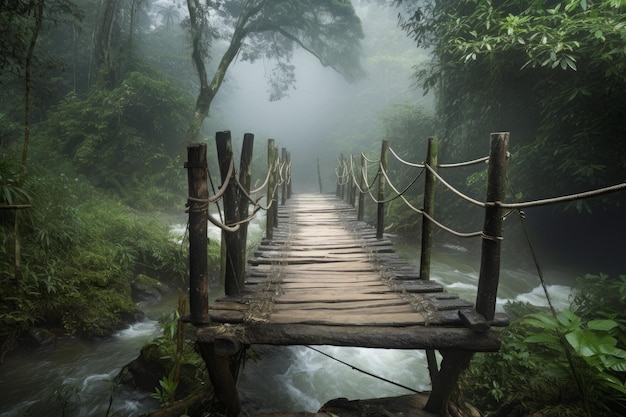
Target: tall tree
(271,29)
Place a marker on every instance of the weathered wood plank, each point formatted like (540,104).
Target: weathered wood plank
(409,337)
(364,318)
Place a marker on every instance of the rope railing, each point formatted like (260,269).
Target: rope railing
(410,164)
(496,209)
(237,205)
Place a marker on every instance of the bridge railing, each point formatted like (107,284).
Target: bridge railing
(233,201)
(353,181)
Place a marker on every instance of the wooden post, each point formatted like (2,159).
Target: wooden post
(198,216)
(453,363)
(340,177)
(283,197)
(352,183)
(492,228)
(245,173)
(233,278)
(429,208)
(427,238)
(319,176)
(276,177)
(271,184)
(289,175)
(380,219)
(222,379)
(361,210)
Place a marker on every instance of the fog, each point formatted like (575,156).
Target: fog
(323,108)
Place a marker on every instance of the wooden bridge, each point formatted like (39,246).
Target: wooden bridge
(322,277)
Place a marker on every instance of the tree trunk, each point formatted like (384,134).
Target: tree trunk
(102,47)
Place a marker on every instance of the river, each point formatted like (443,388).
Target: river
(288,378)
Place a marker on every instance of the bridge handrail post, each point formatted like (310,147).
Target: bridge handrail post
(384,161)
(271,165)
(352,183)
(197,171)
(492,228)
(429,209)
(231,263)
(274,208)
(289,178)
(319,176)
(245,174)
(339,179)
(283,196)
(361,211)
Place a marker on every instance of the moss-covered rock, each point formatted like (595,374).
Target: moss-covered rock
(145,288)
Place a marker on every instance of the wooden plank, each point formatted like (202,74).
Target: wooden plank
(345,305)
(333,296)
(325,317)
(409,337)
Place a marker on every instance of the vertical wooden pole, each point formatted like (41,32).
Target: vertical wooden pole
(361,210)
(340,177)
(319,176)
(271,184)
(245,173)
(492,228)
(384,160)
(427,238)
(429,208)
(231,215)
(283,197)
(352,183)
(453,363)
(198,216)
(276,176)
(289,178)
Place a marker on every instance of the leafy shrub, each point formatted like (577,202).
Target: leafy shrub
(573,364)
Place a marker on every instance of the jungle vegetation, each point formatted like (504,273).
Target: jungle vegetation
(99,99)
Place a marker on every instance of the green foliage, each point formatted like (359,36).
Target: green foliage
(79,250)
(551,73)
(572,364)
(166,394)
(126,138)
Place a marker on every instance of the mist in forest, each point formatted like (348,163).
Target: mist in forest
(323,115)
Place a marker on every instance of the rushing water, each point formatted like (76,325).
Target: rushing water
(285,378)
(300,379)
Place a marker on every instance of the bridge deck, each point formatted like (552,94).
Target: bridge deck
(324,278)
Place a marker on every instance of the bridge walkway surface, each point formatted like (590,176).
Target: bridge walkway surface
(325,279)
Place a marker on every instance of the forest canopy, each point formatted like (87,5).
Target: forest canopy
(551,72)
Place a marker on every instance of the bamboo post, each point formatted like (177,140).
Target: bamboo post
(198,216)
(283,197)
(233,278)
(319,176)
(380,219)
(361,210)
(492,228)
(271,165)
(429,209)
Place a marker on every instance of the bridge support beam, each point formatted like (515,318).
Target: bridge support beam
(454,362)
